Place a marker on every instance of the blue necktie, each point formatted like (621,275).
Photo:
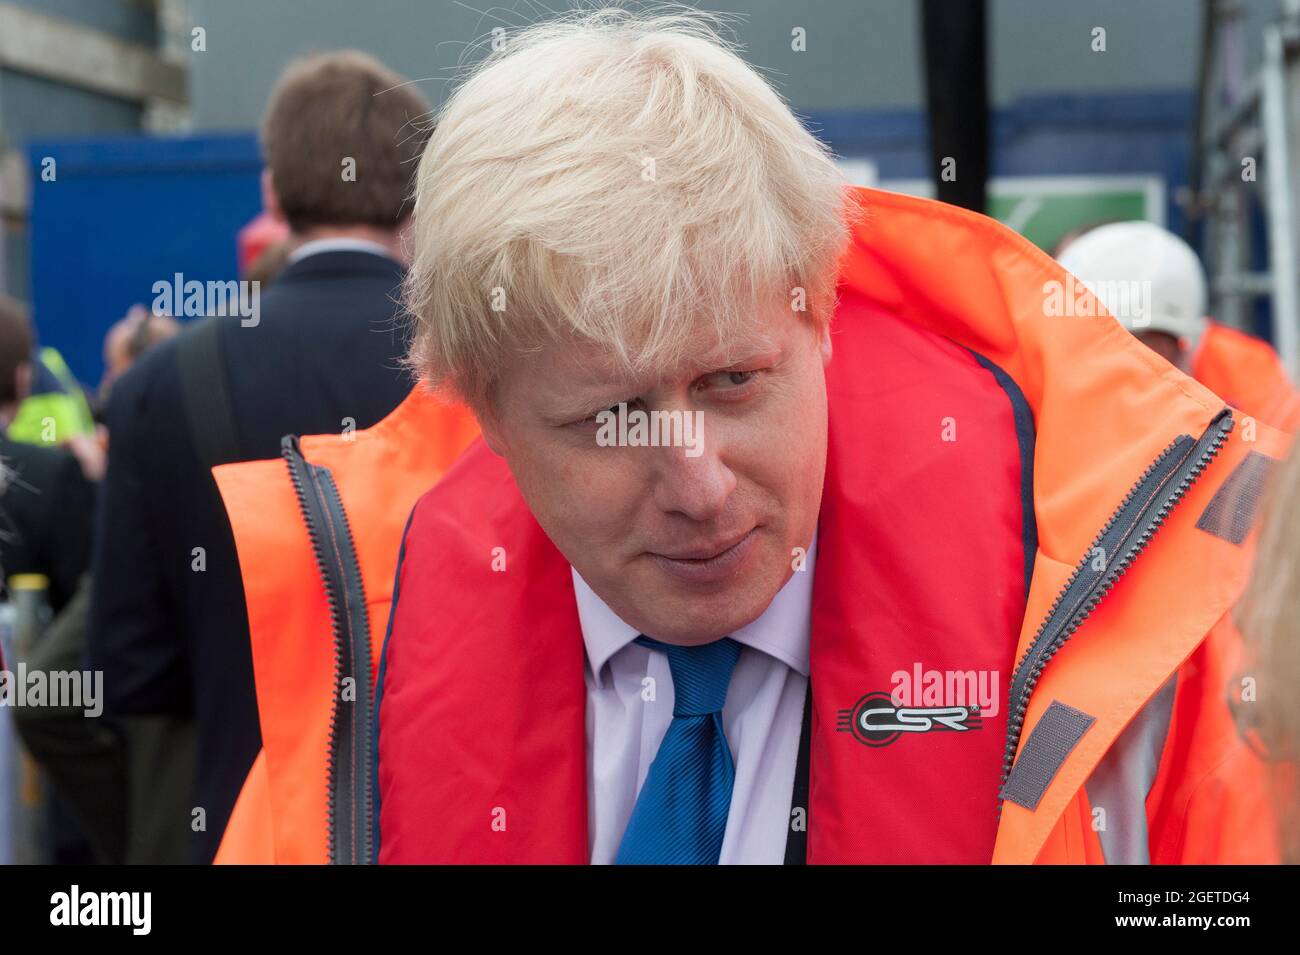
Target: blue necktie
(680,815)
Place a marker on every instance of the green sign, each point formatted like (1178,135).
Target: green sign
(1047,209)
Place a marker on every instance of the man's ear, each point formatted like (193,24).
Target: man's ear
(271,198)
(490,424)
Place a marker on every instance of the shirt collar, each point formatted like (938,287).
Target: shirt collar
(782,631)
(317,246)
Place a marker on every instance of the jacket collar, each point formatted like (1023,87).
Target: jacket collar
(342,262)
(1104,407)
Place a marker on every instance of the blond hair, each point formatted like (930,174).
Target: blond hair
(618,178)
(1268,616)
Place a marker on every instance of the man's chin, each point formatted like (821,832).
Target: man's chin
(678,616)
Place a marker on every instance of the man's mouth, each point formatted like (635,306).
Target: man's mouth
(707,563)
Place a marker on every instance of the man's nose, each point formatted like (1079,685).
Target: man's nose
(697,486)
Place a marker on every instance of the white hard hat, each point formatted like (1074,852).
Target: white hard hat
(1146,276)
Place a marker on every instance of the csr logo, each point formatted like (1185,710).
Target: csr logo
(876,720)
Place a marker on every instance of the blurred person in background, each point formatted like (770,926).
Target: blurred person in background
(1243,370)
(256,240)
(168,620)
(56,408)
(47,502)
(46,514)
(130,337)
(90,762)
(269,263)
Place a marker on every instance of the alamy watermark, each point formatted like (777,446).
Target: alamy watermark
(182,298)
(1128,301)
(133,910)
(75,689)
(920,686)
(653,429)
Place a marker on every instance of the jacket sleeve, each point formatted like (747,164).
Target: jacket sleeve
(134,636)
(1213,800)
(71,519)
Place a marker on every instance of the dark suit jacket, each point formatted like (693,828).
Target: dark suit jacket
(46,516)
(46,511)
(171,632)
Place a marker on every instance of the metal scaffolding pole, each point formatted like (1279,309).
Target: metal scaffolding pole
(1279,153)
(1244,121)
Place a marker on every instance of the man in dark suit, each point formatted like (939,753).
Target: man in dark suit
(319,351)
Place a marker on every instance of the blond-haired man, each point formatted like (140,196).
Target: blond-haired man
(766,552)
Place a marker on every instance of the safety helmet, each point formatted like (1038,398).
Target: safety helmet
(1146,276)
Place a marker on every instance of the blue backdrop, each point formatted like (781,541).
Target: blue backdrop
(123,213)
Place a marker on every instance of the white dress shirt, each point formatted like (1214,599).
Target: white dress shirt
(317,246)
(762,718)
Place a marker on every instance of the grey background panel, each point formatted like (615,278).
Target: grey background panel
(861,54)
(132,20)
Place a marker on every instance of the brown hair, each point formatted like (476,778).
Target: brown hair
(332,108)
(16,343)
(150,330)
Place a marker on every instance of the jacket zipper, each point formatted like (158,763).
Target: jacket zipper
(1121,539)
(348,794)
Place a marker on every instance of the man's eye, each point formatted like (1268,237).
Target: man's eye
(731,380)
(593,419)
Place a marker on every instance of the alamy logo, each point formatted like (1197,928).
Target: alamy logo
(923,701)
(1128,301)
(180,298)
(651,429)
(74,907)
(77,689)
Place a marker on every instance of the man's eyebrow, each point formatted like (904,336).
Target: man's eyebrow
(740,354)
(598,396)
(571,406)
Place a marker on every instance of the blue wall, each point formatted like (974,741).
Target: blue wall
(123,213)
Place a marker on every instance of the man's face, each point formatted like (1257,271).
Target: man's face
(117,355)
(1166,346)
(686,547)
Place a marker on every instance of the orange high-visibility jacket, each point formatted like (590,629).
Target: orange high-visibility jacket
(1248,374)
(1126,449)
(315,596)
